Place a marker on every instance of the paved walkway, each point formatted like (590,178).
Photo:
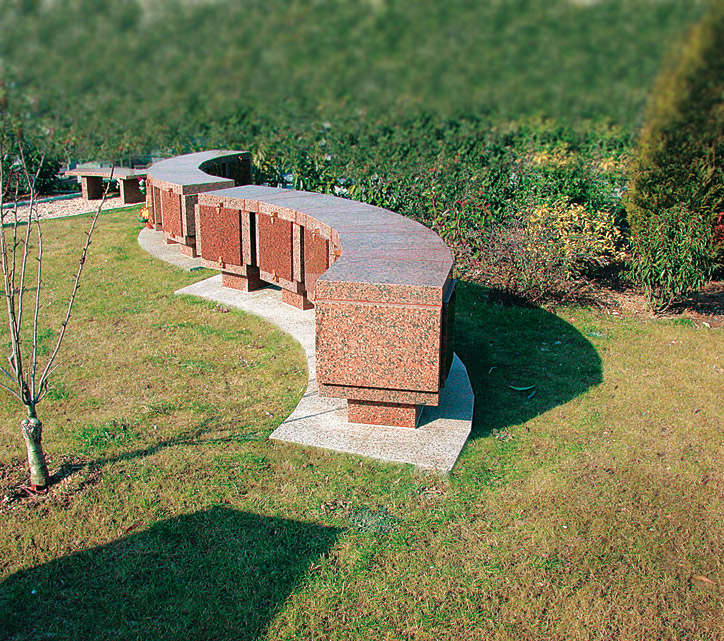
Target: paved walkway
(322,422)
(153,242)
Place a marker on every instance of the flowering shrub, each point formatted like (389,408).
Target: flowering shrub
(524,260)
(546,252)
(583,239)
(469,180)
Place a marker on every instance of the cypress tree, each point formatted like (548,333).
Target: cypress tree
(680,156)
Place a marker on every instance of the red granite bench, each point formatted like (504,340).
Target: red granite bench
(91,181)
(172,187)
(381,283)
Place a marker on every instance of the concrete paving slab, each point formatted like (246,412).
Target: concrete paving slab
(153,242)
(322,422)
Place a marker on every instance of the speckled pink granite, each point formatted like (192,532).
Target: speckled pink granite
(154,215)
(247,283)
(171,215)
(373,413)
(316,259)
(300,301)
(372,345)
(274,245)
(381,285)
(381,395)
(186,177)
(220,234)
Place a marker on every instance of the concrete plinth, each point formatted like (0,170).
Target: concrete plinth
(92,187)
(131,191)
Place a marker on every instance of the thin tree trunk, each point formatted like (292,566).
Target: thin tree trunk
(32,430)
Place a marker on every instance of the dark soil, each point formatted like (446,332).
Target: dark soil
(69,476)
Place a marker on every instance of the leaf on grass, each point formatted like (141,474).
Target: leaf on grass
(521,389)
(703,579)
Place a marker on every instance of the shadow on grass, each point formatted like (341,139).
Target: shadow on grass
(216,574)
(524,347)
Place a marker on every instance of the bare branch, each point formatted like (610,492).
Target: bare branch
(43,388)
(76,285)
(12,391)
(33,207)
(38,283)
(2,186)
(8,374)
(8,287)
(15,234)
(34,210)
(9,291)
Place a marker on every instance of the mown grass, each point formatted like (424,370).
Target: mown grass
(589,510)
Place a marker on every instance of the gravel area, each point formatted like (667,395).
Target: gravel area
(67,207)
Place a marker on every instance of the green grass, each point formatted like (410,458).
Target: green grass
(590,510)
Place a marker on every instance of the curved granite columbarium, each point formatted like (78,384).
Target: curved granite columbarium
(381,285)
(172,187)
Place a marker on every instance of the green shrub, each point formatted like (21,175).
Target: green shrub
(585,239)
(680,155)
(674,256)
(24,140)
(523,260)
(42,168)
(477,183)
(547,252)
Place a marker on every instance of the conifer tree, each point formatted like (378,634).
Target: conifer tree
(679,162)
(680,155)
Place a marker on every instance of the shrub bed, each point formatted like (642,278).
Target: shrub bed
(529,206)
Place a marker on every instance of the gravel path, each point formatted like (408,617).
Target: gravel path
(67,207)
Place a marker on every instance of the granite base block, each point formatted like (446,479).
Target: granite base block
(300,301)
(373,413)
(385,346)
(188,250)
(130,191)
(242,283)
(92,187)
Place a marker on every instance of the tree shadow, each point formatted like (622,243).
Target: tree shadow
(214,574)
(708,301)
(525,347)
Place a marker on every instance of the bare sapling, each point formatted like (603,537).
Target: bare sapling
(21,259)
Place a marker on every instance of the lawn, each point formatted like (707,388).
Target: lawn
(588,510)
